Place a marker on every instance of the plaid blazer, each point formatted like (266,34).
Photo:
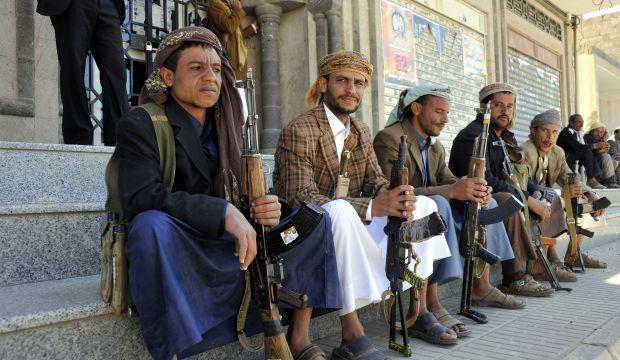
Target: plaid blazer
(307,166)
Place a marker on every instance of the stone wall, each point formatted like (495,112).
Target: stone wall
(602,32)
(29,98)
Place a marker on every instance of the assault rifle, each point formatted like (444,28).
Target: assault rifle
(473,233)
(401,236)
(573,252)
(266,269)
(546,196)
(532,220)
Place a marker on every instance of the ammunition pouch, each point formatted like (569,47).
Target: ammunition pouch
(294,229)
(522,173)
(114,283)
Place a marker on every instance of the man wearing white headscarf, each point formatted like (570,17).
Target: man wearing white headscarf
(602,157)
(421,114)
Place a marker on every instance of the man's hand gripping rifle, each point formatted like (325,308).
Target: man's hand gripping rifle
(473,233)
(532,220)
(400,253)
(266,269)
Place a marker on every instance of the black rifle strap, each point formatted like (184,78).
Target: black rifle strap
(502,212)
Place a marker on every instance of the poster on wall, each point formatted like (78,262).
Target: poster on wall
(424,26)
(398,44)
(473,56)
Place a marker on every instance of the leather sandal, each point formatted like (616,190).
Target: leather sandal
(360,348)
(527,286)
(427,328)
(593,263)
(310,352)
(496,298)
(447,320)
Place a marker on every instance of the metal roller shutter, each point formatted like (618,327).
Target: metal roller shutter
(539,89)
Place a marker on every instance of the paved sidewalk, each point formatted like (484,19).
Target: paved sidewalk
(582,324)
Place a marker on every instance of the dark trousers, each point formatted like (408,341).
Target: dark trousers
(90,25)
(587,159)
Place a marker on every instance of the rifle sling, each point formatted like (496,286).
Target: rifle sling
(502,212)
(571,221)
(241,317)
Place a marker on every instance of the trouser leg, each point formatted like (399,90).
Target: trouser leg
(107,49)
(74,29)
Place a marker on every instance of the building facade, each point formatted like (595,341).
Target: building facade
(462,43)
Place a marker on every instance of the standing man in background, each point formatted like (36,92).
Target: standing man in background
(81,26)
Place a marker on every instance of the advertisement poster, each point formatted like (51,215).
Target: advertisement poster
(473,56)
(398,45)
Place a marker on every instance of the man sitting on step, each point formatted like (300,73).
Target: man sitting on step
(547,167)
(326,144)
(187,244)
(421,114)
(501,98)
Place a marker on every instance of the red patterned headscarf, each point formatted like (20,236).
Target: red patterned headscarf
(228,109)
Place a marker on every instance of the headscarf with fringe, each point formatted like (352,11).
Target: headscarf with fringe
(228,111)
(341,60)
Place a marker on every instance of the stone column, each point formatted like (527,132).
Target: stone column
(268,16)
(321,35)
(334,29)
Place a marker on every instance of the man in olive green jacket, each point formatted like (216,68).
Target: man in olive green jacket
(421,115)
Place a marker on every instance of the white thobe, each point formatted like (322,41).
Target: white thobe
(361,249)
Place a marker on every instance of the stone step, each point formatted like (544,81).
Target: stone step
(64,318)
(50,241)
(59,174)
(52,173)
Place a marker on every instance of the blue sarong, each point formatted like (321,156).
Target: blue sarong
(451,268)
(188,288)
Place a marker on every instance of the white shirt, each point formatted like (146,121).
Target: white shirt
(341,132)
(579,135)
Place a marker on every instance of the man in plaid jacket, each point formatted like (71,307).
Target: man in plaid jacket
(313,151)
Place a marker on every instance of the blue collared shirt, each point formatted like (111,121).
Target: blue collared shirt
(207,135)
(423,145)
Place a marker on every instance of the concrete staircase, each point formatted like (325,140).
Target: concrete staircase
(51,206)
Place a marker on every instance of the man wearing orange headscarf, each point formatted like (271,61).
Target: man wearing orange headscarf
(315,151)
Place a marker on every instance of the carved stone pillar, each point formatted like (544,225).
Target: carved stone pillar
(268,16)
(334,29)
(321,35)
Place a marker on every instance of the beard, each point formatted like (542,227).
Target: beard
(335,106)
(497,124)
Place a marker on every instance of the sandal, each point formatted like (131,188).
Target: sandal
(593,263)
(310,352)
(496,298)
(360,348)
(450,322)
(562,272)
(427,328)
(527,286)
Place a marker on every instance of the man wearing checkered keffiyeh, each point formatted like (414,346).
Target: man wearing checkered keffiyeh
(316,148)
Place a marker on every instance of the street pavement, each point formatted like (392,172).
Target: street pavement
(581,324)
